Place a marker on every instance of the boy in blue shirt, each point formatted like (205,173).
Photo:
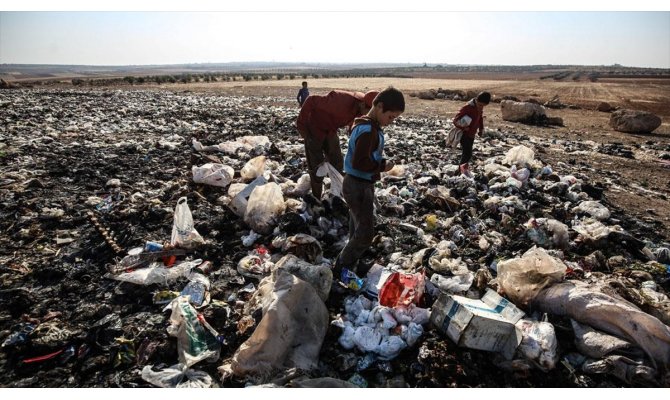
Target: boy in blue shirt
(303,94)
(362,165)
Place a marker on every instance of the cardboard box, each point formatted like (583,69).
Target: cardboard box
(486,324)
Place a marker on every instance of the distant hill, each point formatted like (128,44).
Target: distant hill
(45,72)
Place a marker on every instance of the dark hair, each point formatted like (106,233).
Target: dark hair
(391,98)
(304,82)
(484,97)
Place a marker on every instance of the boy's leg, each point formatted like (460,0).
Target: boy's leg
(314,155)
(359,196)
(466,145)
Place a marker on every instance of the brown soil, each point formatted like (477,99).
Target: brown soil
(638,186)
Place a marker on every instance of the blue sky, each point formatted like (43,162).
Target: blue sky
(632,38)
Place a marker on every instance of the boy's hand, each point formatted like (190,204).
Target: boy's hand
(389,165)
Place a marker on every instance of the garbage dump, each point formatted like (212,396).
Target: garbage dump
(170,239)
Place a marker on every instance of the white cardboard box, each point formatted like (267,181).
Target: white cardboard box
(486,324)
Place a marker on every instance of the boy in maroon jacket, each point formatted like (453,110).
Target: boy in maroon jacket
(474,109)
(319,119)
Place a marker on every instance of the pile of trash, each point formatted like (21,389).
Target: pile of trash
(170,239)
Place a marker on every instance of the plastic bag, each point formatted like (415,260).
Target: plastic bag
(156,273)
(390,347)
(402,289)
(238,203)
(523,278)
(213,174)
(519,155)
(335,178)
(594,209)
(265,206)
(538,343)
(454,284)
(173,377)
(253,168)
(615,316)
(183,232)
(367,339)
(195,342)
(454,137)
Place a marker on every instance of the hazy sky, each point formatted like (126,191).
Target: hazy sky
(631,38)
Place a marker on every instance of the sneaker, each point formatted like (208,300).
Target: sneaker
(465,170)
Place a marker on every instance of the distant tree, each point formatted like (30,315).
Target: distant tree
(77,81)
(140,79)
(129,79)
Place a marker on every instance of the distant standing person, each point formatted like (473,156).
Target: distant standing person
(474,110)
(303,93)
(318,121)
(363,164)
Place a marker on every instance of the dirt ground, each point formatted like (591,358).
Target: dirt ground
(639,186)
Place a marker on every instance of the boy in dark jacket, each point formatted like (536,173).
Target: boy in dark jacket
(318,121)
(303,94)
(363,164)
(474,109)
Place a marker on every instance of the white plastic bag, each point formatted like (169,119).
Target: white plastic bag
(238,203)
(335,178)
(173,377)
(253,168)
(184,234)
(594,209)
(156,273)
(519,155)
(213,174)
(265,206)
(539,343)
(523,278)
(454,137)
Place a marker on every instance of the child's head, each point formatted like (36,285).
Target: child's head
(387,106)
(304,84)
(484,98)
